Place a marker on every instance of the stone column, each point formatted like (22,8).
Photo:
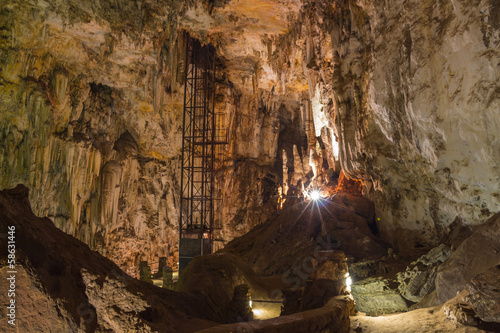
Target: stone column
(145,272)
(168,280)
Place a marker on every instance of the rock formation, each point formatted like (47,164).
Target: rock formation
(291,243)
(402,96)
(64,286)
(91,117)
(411,92)
(483,295)
(475,255)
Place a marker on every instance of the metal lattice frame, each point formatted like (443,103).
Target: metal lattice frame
(199,149)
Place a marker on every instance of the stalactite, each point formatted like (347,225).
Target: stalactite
(285,173)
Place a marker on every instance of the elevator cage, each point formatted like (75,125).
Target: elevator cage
(202,137)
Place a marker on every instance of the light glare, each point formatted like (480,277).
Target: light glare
(257,312)
(315,195)
(348,283)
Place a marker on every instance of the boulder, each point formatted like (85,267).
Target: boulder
(418,279)
(415,283)
(437,255)
(377,296)
(473,256)
(483,293)
(327,281)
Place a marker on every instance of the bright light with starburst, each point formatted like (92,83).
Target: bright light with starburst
(315,195)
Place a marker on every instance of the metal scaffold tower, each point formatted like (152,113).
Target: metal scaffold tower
(201,140)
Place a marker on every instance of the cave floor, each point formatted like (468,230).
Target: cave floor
(428,320)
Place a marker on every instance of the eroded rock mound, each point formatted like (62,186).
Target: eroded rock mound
(287,243)
(63,286)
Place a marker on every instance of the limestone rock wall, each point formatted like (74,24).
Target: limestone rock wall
(425,113)
(410,90)
(260,127)
(90,114)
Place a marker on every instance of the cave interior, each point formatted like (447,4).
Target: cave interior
(250,166)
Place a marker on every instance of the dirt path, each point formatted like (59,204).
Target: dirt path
(428,320)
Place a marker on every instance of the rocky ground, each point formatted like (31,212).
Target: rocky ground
(429,320)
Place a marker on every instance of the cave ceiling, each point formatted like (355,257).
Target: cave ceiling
(243,32)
